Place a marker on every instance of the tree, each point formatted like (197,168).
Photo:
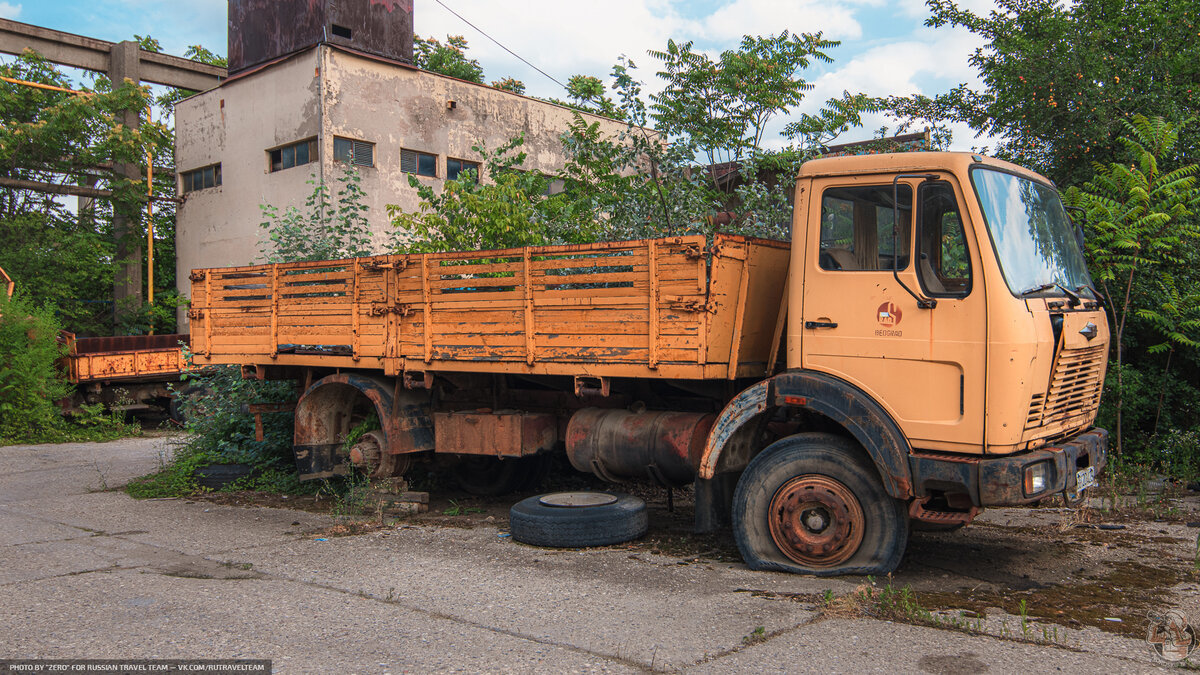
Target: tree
(1140,226)
(448,59)
(510,84)
(722,106)
(503,207)
(66,258)
(1058,78)
(329,228)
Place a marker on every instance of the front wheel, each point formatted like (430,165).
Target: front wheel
(812,503)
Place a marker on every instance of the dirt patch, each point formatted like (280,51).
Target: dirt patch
(1128,593)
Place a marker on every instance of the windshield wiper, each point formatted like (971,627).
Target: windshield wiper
(1100,299)
(1073,297)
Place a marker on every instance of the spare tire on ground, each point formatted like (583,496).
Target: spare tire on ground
(578,519)
(217,476)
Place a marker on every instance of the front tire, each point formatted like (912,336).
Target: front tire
(813,504)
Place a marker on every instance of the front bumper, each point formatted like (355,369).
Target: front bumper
(999,481)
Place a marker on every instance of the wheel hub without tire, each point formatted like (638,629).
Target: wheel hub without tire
(816,521)
(369,457)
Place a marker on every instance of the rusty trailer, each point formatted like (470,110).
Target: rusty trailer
(130,372)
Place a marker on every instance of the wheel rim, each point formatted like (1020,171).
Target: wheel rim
(816,521)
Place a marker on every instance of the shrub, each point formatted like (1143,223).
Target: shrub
(30,382)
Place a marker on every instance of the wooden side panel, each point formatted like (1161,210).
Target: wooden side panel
(618,309)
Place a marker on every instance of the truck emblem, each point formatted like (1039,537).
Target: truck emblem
(1089,331)
(889,314)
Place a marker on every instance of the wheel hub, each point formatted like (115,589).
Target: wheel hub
(816,521)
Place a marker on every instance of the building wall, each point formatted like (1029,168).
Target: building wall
(362,98)
(234,125)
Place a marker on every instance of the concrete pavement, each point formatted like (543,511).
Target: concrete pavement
(87,572)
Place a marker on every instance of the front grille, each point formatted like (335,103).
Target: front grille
(1074,388)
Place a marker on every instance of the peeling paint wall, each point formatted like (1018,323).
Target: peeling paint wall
(323,93)
(235,124)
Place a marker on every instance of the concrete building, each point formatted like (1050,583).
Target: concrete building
(281,120)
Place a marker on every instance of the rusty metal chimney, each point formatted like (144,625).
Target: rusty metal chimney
(264,30)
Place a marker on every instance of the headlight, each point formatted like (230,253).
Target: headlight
(1037,478)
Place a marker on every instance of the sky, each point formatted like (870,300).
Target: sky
(885,47)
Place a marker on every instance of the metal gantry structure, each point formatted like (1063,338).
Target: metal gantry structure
(120,61)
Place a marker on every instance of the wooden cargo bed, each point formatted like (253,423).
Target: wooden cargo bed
(652,308)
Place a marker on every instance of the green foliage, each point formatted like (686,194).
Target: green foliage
(31,384)
(506,207)
(447,59)
(330,227)
(203,55)
(723,105)
(836,118)
(220,433)
(1058,77)
(510,84)
(62,258)
(1142,227)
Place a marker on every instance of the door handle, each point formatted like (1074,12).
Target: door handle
(820,324)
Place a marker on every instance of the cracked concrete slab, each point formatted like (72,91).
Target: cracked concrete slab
(97,574)
(866,646)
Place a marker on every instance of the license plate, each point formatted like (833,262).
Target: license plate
(1085,478)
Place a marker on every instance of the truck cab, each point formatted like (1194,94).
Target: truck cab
(941,315)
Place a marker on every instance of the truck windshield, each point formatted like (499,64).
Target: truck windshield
(1034,239)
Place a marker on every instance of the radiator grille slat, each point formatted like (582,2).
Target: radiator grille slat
(1074,391)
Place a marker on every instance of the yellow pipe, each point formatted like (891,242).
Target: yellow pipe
(50,87)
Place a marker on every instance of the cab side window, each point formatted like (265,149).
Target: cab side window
(944,265)
(857,228)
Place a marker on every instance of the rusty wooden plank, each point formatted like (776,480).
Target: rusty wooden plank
(780,321)
(354,313)
(427,307)
(274,310)
(205,314)
(530,342)
(739,316)
(653,301)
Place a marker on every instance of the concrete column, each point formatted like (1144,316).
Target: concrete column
(127,281)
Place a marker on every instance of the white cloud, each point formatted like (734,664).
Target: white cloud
(764,17)
(9,11)
(929,62)
(587,36)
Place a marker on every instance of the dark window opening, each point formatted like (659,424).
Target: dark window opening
(349,151)
(420,163)
(340,31)
(199,179)
(295,154)
(945,264)
(456,166)
(857,228)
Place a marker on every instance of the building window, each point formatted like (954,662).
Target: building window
(457,166)
(293,155)
(358,153)
(420,163)
(199,179)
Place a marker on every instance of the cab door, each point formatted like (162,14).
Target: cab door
(863,284)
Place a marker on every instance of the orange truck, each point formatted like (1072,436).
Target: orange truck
(929,343)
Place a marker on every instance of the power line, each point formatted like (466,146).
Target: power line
(498,44)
